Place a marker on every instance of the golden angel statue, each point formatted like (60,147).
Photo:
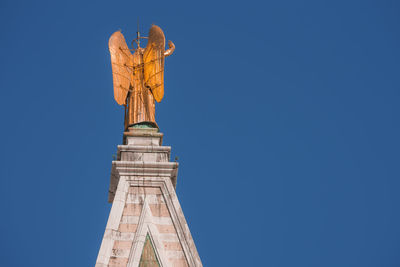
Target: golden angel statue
(138,78)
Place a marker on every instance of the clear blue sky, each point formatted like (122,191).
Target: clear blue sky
(284,116)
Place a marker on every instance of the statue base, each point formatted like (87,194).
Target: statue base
(143,136)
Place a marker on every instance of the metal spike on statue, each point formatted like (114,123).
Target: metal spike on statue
(138,78)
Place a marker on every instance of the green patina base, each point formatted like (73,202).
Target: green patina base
(144,125)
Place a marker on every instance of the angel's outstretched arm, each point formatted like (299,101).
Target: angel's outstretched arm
(170,50)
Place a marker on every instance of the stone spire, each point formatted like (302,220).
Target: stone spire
(146,225)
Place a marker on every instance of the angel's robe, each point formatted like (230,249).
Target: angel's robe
(141,103)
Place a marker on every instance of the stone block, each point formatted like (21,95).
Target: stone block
(143,137)
(132,209)
(117,262)
(159,210)
(179,263)
(122,244)
(172,246)
(166,229)
(127,228)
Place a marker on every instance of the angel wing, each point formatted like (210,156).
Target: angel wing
(153,59)
(121,63)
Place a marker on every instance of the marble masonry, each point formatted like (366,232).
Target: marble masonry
(146,225)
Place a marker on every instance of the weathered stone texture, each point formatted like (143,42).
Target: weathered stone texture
(145,204)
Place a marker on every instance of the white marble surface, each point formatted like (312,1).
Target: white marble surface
(144,163)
